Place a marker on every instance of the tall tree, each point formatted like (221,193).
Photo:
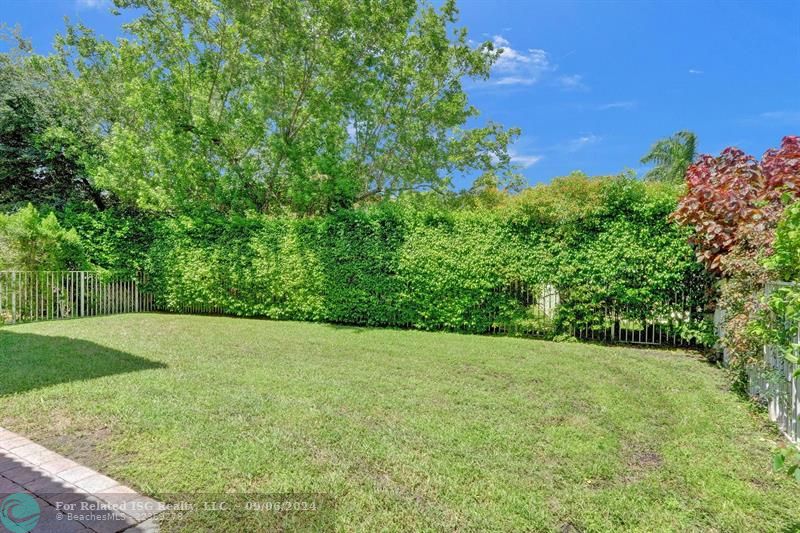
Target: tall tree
(41,148)
(284,105)
(672,157)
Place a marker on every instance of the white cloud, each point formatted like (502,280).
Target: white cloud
(781,116)
(516,80)
(92,4)
(528,67)
(516,67)
(573,145)
(525,161)
(572,82)
(527,152)
(695,71)
(627,104)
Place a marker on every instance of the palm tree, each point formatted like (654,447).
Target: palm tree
(671,157)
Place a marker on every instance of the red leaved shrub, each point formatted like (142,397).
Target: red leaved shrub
(734,202)
(733,199)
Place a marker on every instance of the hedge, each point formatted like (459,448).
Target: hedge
(599,243)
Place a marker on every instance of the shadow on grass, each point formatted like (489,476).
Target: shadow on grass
(29,362)
(352,328)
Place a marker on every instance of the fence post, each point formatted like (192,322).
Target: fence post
(13,297)
(83,294)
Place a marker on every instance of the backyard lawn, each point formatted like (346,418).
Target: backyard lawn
(396,430)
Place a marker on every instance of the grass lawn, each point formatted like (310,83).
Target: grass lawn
(400,429)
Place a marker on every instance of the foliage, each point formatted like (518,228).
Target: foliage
(672,157)
(779,321)
(42,146)
(116,240)
(564,200)
(787,458)
(30,240)
(282,106)
(740,297)
(785,260)
(734,202)
(405,264)
(778,324)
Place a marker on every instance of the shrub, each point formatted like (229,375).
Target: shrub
(424,266)
(785,260)
(114,239)
(733,203)
(30,240)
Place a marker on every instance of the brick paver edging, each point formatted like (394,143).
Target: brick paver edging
(71,497)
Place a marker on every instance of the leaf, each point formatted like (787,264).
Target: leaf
(777,461)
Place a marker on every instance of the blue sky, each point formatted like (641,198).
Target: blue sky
(593,84)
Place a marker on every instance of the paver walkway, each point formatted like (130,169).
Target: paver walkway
(68,497)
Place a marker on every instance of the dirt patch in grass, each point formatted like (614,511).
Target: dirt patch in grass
(68,436)
(84,446)
(645,461)
(640,462)
(85,443)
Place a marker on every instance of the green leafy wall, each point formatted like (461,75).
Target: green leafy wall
(431,268)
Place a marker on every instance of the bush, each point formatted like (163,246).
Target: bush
(30,240)
(733,203)
(114,239)
(398,264)
(785,261)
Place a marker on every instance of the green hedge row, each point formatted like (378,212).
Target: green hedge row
(598,243)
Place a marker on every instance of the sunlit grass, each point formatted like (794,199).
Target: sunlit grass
(401,429)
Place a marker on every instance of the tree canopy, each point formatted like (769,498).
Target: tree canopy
(278,106)
(42,149)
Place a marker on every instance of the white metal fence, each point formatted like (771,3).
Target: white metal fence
(30,296)
(675,319)
(516,308)
(775,382)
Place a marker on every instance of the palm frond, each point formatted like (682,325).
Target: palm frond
(671,157)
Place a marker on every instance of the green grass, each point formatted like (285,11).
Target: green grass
(400,429)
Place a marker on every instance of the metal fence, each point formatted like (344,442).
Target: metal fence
(678,318)
(774,381)
(30,296)
(515,308)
